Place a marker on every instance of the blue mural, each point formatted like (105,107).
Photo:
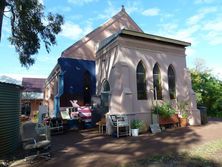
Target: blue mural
(71,78)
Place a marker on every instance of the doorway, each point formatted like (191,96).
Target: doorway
(87,88)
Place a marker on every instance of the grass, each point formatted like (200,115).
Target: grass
(173,160)
(209,155)
(207,150)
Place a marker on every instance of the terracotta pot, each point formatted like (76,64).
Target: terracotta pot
(171,120)
(183,122)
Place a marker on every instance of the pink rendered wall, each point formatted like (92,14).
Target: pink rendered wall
(86,48)
(120,67)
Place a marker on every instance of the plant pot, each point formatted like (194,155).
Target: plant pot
(173,119)
(183,122)
(135,132)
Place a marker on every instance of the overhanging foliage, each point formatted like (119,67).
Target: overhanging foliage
(208,90)
(30,26)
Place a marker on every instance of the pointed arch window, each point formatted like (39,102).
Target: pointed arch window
(157,82)
(171,82)
(105,95)
(141,81)
(106,87)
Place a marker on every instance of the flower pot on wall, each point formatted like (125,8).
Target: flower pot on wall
(183,122)
(135,132)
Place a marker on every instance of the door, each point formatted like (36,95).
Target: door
(87,88)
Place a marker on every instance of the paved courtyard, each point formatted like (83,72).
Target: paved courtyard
(88,148)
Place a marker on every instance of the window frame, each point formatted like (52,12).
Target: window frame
(157,83)
(141,81)
(171,82)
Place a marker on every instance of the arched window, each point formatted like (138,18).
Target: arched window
(171,82)
(106,87)
(105,95)
(141,81)
(157,82)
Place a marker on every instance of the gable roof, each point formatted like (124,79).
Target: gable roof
(155,37)
(142,35)
(85,48)
(33,84)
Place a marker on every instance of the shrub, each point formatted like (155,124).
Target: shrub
(165,110)
(182,107)
(136,124)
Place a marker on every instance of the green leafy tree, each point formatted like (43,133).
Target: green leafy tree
(208,90)
(30,26)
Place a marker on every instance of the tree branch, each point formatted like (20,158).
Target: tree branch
(6,16)
(2,8)
(12,19)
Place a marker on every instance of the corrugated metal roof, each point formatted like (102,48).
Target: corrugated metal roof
(33,84)
(12,84)
(137,34)
(155,37)
(8,79)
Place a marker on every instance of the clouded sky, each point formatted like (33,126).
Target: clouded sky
(195,21)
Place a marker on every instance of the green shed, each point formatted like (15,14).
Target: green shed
(10,95)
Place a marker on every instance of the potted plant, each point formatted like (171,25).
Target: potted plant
(182,107)
(135,126)
(164,110)
(183,121)
(167,114)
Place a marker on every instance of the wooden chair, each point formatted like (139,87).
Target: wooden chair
(101,124)
(120,124)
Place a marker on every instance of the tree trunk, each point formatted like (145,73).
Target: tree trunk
(2,8)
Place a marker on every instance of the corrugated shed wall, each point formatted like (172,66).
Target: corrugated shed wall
(9,117)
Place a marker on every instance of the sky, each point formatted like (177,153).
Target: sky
(195,21)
